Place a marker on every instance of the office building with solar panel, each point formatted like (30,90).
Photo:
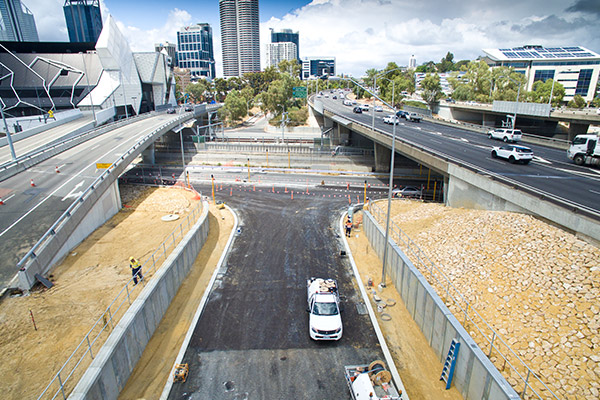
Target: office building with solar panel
(575,67)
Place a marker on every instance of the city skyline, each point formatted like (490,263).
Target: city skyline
(361,34)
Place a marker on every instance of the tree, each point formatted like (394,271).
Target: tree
(541,91)
(432,90)
(234,107)
(291,67)
(577,102)
(447,63)
(428,67)
(248,95)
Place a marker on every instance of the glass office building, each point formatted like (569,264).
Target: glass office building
(287,36)
(84,21)
(195,51)
(316,67)
(16,22)
(575,67)
(240,36)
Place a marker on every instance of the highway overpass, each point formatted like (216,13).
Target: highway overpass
(551,187)
(63,191)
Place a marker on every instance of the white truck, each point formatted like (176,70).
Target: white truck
(585,150)
(413,117)
(324,321)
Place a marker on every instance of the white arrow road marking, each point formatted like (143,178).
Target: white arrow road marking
(71,194)
(542,160)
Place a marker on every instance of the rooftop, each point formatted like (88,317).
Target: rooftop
(535,52)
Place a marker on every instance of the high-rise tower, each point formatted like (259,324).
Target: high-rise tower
(84,21)
(240,38)
(16,22)
(195,50)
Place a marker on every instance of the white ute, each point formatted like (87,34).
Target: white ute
(324,321)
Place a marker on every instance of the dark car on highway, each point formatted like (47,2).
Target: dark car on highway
(171,111)
(402,114)
(357,110)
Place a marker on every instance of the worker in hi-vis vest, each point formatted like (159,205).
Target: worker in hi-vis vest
(136,269)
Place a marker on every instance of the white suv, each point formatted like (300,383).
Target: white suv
(506,135)
(513,153)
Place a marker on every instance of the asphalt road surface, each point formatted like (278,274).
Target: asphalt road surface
(252,339)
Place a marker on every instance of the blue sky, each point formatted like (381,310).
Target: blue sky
(361,34)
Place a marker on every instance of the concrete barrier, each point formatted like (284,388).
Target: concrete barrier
(108,373)
(474,376)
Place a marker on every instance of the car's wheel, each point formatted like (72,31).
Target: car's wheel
(490,135)
(526,162)
(494,154)
(579,159)
(505,140)
(511,160)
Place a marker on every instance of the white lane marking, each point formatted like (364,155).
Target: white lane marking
(589,174)
(9,197)
(54,192)
(71,194)
(593,191)
(541,160)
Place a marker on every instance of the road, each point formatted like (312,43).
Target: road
(29,211)
(550,172)
(34,142)
(252,339)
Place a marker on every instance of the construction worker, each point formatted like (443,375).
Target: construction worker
(136,269)
(348,227)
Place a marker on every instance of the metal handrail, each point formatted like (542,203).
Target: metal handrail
(427,266)
(113,310)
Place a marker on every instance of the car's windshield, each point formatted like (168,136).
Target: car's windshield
(325,309)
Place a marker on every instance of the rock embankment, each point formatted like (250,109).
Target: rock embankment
(537,285)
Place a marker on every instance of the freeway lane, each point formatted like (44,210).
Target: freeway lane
(252,341)
(551,172)
(29,211)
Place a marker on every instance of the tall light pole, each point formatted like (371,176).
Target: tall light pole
(375,92)
(391,183)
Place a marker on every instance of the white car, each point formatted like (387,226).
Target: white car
(506,135)
(513,153)
(391,119)
(347,102)
(364,107)
(378,109)
(407,191)
(413,117)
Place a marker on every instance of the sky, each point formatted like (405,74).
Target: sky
(360,34)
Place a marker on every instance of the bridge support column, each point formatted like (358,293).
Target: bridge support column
(383,157)
(488,120)
(577,129)
(148,155)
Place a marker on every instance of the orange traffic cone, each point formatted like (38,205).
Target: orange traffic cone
(1,202)
(32,184)
(56,169)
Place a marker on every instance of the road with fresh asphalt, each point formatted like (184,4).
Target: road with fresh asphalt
(252,340)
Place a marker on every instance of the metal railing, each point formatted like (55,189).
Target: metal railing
(94,339)
(486,336)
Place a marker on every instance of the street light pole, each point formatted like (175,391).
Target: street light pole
(391,182)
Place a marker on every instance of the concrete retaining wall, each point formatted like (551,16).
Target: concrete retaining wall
(108,373)
(474,375)
(35,125)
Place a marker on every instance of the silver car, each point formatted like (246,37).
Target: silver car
(407,191)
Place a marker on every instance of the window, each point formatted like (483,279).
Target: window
(583,83)
(543,75)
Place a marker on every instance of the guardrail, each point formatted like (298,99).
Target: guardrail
(13,167)
(40,256)
(493,341)
(92,341)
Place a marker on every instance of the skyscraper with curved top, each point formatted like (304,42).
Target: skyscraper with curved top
(240,37)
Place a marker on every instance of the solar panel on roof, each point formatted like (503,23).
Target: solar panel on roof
(573,48)
(535,55)
(548,55)
(504,49)
(555,49)
(583,54)
(510,54)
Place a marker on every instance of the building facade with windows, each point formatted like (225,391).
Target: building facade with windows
(575,67)
(287,36)
(170,49)
(316,67)
(277,52)
(240,36)
(16,22)
(195,51)
(84,20)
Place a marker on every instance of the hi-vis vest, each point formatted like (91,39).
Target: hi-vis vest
(134,264)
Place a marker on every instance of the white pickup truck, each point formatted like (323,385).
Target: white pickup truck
(414,117)
(324,321)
